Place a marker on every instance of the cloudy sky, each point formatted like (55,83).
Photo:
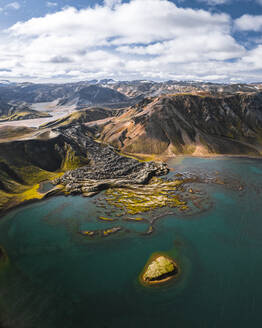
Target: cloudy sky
(72,40)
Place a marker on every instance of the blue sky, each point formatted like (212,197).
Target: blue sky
(71,40)
(36,8)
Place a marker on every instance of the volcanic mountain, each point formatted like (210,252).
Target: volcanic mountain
(189,124)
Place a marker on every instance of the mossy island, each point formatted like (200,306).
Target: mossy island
(159,269)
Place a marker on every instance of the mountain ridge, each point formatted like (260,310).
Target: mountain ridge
(182,124)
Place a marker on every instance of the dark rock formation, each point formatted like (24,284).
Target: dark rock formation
(106,169)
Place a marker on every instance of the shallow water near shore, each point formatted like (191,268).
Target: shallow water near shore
(58,278)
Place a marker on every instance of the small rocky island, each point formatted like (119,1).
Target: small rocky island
(159,270)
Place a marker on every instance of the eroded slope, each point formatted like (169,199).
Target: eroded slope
(190,124)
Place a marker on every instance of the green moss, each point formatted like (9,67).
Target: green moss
(143,199)
(24,115)
(32,175)
(24,165)
(146,145)
(107,232)
(71,160)
(137,219)
(106,219)
(158,269)
(189,149)
(88,233)
(17,193)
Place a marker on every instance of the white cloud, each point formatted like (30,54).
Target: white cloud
(249,23)
(126,41)
(13,5)
(253,58)
(215,2)
(112,3)
(259,2)
(51,4)
(10,6)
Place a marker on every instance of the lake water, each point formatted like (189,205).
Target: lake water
(60,279)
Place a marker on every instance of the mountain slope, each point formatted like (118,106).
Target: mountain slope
(190,124)
(94,95)
(82,116)
(79,94)
(18,111)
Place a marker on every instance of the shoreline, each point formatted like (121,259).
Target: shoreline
(221,156)
(167,157)
(51,193)
(57,192)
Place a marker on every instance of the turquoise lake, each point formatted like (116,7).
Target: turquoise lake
(60,279)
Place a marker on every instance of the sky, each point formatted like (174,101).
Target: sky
(76,40)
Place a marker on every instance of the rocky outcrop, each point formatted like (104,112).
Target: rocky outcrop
(159,270)
(106,169)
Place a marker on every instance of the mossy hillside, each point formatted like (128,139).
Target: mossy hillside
(23,165)
(81,116)
(71,160)
(18,193)
(145,157)
(24,115)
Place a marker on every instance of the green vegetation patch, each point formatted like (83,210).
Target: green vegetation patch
(106,219)
(159,269)
(71,160)
(141,199)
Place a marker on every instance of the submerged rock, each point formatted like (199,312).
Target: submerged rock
(159,270)
(3,258)
(3,255)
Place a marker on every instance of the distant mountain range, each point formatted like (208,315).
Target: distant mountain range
(149,117)
(106,93)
